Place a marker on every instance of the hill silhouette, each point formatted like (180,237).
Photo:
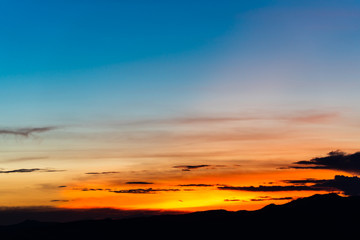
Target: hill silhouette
(318,215)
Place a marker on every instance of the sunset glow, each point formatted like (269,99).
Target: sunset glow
(180,106)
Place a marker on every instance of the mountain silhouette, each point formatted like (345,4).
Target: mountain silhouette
(322,216)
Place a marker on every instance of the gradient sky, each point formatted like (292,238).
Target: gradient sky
(166,104)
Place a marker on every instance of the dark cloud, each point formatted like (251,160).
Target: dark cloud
(133,190)
(347,185)
(146,190)
(195,185)
(336,160)
(306,181)
(22,170)
(25,132)
(140,183)
(259,199)
(93,189)
(52,170)
(98,173)
(262,188)
(268,198)
(29,170)
(190,167)
(232,200)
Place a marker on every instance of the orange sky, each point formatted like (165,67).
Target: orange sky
(75,167)
(198,191)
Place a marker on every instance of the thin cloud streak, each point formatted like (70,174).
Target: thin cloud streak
(25,132)
(139,183)
(100,173)
(24,159)
(190,167)
(30,170)
(309,116)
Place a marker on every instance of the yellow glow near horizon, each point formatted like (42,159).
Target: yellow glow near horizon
(192,198)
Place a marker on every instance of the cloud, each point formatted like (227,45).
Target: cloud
(132,190)
(262,188)
(22,170)
(98,173)
(314,117)
(140,183)
(305,181)
(308,116)
(259,199)
(25,132)
(147,190)
(29,170)
(190,167)
(335,160)
(268,198)
(347,185)
(93,189)
(196,185)
(23,159)
(192,120)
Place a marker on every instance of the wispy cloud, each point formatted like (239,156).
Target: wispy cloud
(100,173)
(268,198)
(59,200)
(308,116)
(193,167)
(131,190)
(146,190)
(314,117)
(196,185)
(24,159)
(25,132)
(30,170)
(190,167)
(194,120)
(261,188)
(259,199)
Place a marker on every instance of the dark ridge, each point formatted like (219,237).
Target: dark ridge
(315,216)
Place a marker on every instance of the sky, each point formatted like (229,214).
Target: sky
(177,105)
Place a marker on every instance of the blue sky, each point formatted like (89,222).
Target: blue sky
(63,36)
(73,52)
